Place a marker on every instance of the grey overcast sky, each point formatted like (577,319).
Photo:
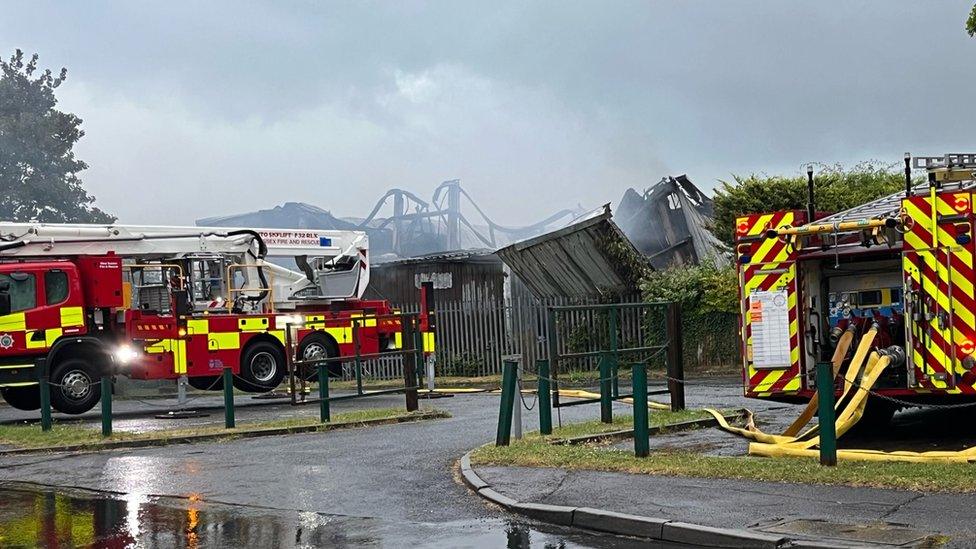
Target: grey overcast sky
(210,108)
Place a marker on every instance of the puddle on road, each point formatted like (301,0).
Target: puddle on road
(40,517)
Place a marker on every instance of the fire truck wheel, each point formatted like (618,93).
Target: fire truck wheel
(75,386)
(22,398)
(262,368)
(319,345)
(877,415)
(206,383)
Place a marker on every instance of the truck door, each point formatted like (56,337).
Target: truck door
(938,272)
(769,300)
(45,303)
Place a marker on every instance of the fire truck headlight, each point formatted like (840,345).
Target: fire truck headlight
(125,354)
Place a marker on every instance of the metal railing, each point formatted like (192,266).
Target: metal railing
(610,365)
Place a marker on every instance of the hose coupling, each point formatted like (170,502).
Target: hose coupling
(895,354)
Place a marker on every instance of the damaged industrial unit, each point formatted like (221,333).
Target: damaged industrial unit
(895,273)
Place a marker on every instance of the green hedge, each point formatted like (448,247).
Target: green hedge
(708,295)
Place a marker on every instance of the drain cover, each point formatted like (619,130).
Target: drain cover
(872,532)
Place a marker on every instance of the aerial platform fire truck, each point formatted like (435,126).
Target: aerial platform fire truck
(900,267)
(165,302)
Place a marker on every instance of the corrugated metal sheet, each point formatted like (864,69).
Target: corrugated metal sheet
(575,261)
(456,276)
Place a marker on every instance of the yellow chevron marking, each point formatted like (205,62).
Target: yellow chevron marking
(957,280)
(760,224)
(760,255)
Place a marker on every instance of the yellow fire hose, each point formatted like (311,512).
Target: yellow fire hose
(850,407)
(573,393)
(839,354)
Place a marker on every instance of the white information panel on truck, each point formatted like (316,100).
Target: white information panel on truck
(769,316)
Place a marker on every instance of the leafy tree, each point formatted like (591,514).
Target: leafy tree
(971,22)
(38,169)
(835,189)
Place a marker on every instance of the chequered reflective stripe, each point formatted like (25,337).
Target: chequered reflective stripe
(153,327)
(770,266)
(944,274)
(42,338)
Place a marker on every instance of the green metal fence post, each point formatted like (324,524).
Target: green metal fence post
(614,357)
(676,367)
(825,412)
(638,374)
(106,406)
(228,398)
(324,412)
(506,404)
(606,401)
(545,397)
(45,390)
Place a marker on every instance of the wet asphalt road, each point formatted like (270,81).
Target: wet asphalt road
(397,478)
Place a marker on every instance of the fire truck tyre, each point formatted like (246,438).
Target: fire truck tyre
(262,368)
(877,415)
(319,345)
(206,383)
(22,398)
(75,386)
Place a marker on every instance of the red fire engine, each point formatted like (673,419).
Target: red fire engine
(166,302)
(895,274)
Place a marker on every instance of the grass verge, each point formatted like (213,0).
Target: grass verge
(656,418)
(65,434)
(537,451)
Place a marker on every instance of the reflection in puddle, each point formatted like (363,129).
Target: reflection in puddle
(32,517)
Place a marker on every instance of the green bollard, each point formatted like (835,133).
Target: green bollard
(106,406)
(614,357)
(545,397)
(228,398)
(506,405)
(606,401)
(324,412)
(45,390)
(825,413)
(641,437)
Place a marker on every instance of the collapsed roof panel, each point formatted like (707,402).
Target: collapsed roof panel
(591,257)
